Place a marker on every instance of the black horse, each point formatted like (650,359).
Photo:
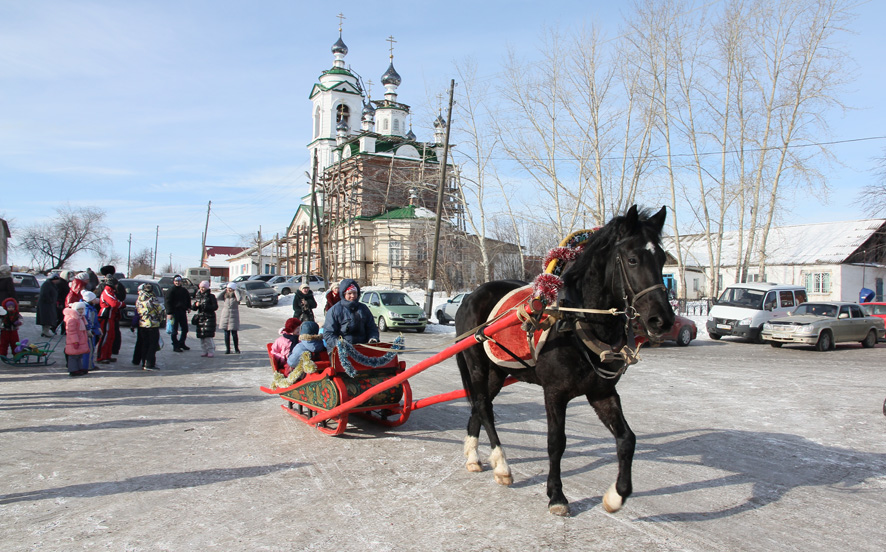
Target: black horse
(620,267)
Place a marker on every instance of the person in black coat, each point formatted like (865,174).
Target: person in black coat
(47,316)
(7,286)
(62,287)
(205,305)
(303,303)
(178,304)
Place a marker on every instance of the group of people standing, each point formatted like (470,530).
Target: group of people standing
(204,306)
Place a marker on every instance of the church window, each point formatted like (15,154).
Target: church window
(317,123)
(342,114)
(385,126)
(396,125)
(395,253)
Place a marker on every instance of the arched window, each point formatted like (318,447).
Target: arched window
(396,125)
(317,122)
(385,125)
(342,113)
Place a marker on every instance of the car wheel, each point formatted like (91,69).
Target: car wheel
(684,337)
(382,325)
(420,330)
(286,291)
(825,341)
(248,302)
(870,340)
(776,344)
(441,318)
(714,336)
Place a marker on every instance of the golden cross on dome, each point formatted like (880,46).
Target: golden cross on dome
(341,17)
(369,89)
(392,41)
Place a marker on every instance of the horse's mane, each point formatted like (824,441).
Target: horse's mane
(596,255)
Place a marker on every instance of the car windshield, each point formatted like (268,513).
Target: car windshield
(255,284)
(396,299)
(876,309)
(817,309)
(741,297)
(25,281)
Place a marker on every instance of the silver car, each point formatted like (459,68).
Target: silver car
(446,312)
(824,324)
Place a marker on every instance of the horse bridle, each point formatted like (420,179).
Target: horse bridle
(630,310)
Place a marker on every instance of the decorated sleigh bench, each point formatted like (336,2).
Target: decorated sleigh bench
(329,383)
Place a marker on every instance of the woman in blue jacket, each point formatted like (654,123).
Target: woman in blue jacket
(349,319)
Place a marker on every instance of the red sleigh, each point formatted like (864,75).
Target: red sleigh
(324,391)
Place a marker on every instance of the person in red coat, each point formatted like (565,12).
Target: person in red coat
(332,297)
(109,314)
(77,287)
(10,320)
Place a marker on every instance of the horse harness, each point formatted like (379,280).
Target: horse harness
(575,320)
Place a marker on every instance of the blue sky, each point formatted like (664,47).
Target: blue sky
(150,109)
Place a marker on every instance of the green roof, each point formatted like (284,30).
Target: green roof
(407,212)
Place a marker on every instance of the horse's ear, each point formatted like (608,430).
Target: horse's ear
(631,217)
(657,220)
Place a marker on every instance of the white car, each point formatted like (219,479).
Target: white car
(446,311)
(292,283)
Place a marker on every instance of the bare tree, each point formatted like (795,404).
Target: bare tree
(872,198)
(73,230)
(142,263)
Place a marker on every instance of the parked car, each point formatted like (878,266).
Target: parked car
(166,283)
(742,309)
(876,309)
(257,293)
(277,279)
(446,312)
(315,282)
(261,277)
(394,310)
(287,286)
(682,332)
(824,324)
(27,289)
(131,286)
(242,278)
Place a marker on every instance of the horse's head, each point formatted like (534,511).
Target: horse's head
(639,259)
(621,267)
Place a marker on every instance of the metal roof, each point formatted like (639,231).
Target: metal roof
(802,244)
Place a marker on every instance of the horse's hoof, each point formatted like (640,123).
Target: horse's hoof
(474,467)
(505,480)
(559,509)
(612,501)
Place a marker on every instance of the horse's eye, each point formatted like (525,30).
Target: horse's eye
(632,261)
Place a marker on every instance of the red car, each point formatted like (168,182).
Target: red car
(683,331)
(878,310)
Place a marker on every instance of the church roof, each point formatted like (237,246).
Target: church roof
(408,212)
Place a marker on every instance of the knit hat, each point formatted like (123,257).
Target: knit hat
(291,325)
(309,331)
(232,285)
(177,277)
(79,306)
(88,296)
(205,284)
(82,276)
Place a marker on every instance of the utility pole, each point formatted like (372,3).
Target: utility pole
(205,231)
(259,249)
(429,298)
(129,258)
(315,209)
(156,241)
(305,278)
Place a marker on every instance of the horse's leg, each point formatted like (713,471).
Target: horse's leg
(610,413)
(555,408)
(486,384)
